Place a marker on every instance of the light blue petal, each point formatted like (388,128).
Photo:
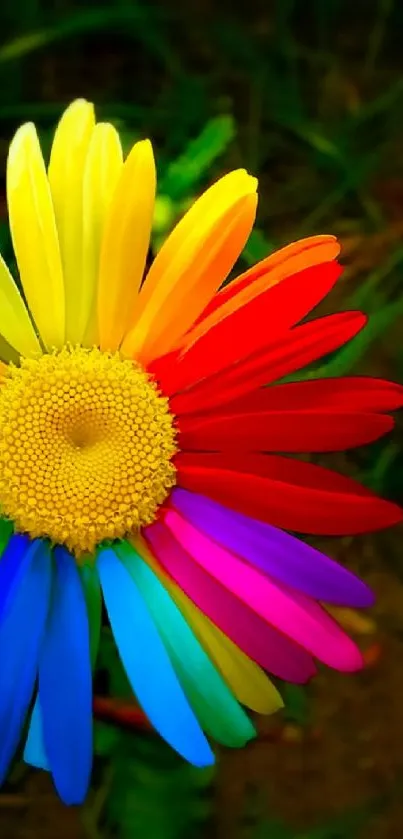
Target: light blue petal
(218,711)
(65,684)
(147,663)
(34,752)
(21,634)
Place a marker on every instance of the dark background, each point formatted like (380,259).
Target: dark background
(308,95)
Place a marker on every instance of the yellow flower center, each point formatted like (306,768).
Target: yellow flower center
(86,442)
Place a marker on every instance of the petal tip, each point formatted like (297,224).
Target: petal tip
(25,135)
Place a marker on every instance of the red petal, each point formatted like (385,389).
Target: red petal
(254,326)
(163,368)
(350,393)
(295,350)
(287,493)
(281,431)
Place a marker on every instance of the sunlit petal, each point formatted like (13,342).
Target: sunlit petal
(34,235)
(125,245)
(66,179)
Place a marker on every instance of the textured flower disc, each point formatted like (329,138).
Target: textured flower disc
(86,443)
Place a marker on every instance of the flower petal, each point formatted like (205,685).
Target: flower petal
(65,684)
(218,712)
(102,171)
(247,681)
(267,273)
(287,493)
(34,752)
(281,431)
(192,264)
(299,347)
(66,178)
(125,245)
(291,612)
(147,664)
(254,327)
(21,634)
(34,235)
(348,393)
(15,324)
(248,631)
(274,552)
(15,559)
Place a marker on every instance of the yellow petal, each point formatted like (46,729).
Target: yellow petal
(351,620)
(34,235)
(125,245)
(247,681)
(102,171)
(66,178)
(15,324)
(192,264)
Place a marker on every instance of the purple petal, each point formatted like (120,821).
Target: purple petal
(274,552)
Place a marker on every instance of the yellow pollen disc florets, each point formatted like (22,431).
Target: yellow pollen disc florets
(86,442)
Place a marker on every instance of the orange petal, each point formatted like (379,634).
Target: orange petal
(125,245)
(269,272)
(192,264)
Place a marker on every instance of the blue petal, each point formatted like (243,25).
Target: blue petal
(13,564)
(34,752)
(65,684)
(21,634)
(147,663)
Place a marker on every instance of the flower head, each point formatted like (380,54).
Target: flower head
(142,441)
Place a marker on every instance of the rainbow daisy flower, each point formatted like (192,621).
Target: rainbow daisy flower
(144,447)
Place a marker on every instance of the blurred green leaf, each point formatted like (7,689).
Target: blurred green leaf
(140,21)
(184,174)
(257,247)
(106,739)
(154,793)
(348,358)
(364,296)
(296,704)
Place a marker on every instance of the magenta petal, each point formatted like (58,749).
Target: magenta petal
(276,553)
(255,637)
(290,612)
